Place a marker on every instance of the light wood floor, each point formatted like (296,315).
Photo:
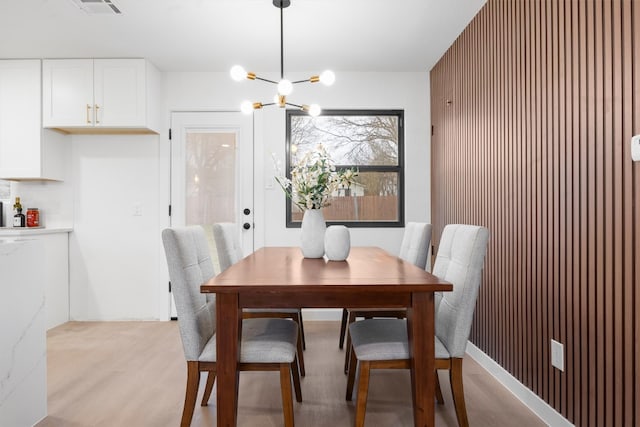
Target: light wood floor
(134,373)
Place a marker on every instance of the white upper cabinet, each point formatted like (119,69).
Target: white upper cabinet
(100,95)
(27,151)
(67,96)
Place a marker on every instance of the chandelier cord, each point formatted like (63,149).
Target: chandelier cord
(281,44)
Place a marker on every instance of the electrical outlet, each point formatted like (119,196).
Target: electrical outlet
(557,355)
(635,148)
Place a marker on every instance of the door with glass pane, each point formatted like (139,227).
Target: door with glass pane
(212,172)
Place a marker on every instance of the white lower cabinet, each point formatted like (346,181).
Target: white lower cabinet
(53,265)
(56,268)
(23,343)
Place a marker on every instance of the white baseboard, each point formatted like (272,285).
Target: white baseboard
(541,408)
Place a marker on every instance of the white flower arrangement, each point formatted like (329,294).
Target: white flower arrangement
(314,180)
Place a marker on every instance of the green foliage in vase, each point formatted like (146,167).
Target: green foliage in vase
(315,179)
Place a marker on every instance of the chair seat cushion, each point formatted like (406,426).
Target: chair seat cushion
(263,341)
(385,339)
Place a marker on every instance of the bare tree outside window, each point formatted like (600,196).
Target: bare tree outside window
(368,140)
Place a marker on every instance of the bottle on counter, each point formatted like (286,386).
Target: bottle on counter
(19,219)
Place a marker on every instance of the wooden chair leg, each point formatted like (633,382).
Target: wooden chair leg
(191,393)
(347,357)
(343,327)
(353,365)
(300,345)
(439,397)
(287,400)
(211,379)
(352,318)
(363,391)
(455,376)
(301,327)
(296,380)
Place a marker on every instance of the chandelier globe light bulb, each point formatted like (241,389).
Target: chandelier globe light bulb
(246,107)
(238,73)
(285,87)
(327,77)
(314,110)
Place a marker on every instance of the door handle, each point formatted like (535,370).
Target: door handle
(246,226)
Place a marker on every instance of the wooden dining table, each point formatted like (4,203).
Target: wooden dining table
(280,277)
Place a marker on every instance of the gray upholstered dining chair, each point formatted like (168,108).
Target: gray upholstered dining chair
(383,343)
(415,243)
(229,248)
(228,244)
(267,344)
(414,249)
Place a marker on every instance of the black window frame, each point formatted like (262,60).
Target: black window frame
(399,168)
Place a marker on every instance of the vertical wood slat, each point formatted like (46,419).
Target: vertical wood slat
(528,301)
(534,145)
(628,127)
(599,261)
(562,165)
(538,335)
(572,383)
(558,180)
(606,210)
(635,189)
(617,191)
(584,226)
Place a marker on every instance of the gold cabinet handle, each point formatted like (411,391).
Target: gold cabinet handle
(97,108)
(88,116)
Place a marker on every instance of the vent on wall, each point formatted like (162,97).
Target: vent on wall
(97,7)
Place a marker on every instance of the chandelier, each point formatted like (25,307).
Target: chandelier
(284,86)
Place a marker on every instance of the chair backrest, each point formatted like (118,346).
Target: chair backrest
(415,243)
(460,261)
(227,243)
(190,266)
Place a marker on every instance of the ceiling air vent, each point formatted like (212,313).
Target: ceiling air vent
(98,7)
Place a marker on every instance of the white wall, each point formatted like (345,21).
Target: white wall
(114,268)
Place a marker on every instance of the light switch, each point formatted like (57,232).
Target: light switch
(635,148)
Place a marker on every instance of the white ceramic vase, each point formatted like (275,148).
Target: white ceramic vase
(312,233)
(337,243)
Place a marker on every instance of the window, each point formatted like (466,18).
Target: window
(371,141)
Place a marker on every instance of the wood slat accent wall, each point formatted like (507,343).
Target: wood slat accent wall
(533,108)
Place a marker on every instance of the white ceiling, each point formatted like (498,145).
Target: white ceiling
(213,35)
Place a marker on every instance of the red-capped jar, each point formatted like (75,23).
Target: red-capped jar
(33,217)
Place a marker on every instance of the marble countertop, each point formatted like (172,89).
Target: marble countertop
(25,231)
